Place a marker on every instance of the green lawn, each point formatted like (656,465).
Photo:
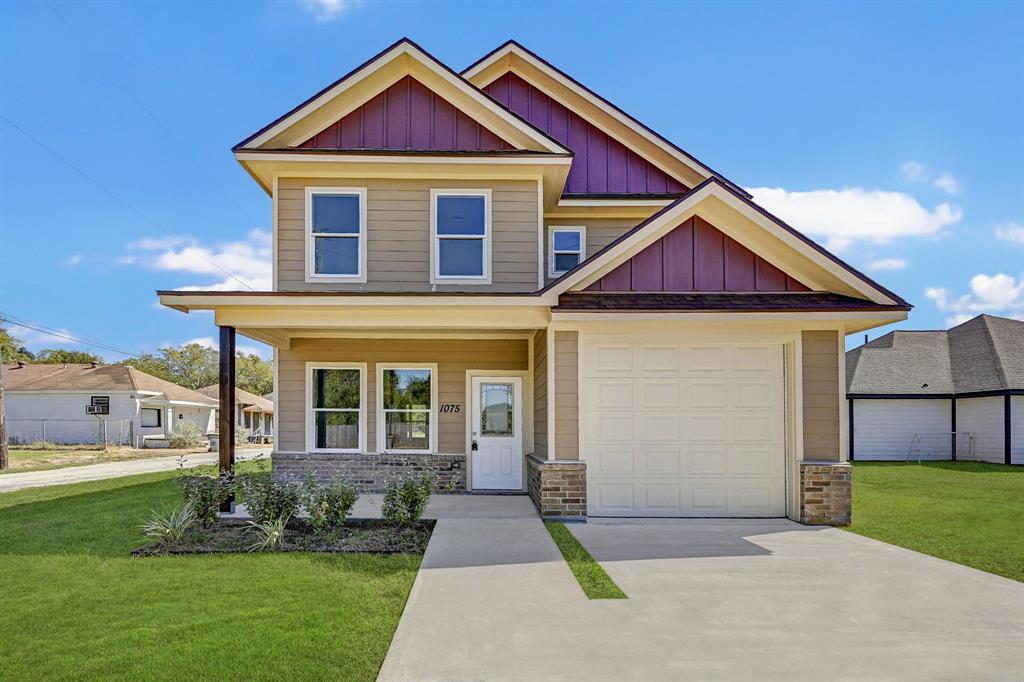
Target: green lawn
(966,512)
(592,578)
(73,605)
(61,456)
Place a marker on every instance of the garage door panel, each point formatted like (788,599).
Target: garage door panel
(676,429)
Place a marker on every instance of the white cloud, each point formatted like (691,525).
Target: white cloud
(914,171)
(74,260)
(948,183)
(848,215)
(1010,232)
(998,294)
(204,341)
(329,10)
(248,260)
(37,340)
(126,260)
(887,264)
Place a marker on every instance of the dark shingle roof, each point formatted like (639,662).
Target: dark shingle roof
(985,353)
(755,302)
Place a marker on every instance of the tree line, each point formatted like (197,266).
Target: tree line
(192,366)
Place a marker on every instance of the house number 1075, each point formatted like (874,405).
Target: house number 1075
(451,407)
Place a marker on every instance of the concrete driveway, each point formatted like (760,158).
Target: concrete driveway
(708,600)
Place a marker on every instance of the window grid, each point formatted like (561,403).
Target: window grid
(313,235)
(360,411)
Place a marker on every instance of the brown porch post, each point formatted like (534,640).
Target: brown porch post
(226,427)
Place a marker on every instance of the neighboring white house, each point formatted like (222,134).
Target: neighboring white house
(75,404)
(939,394)
(251,411)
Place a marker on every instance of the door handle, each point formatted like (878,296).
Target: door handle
(474,446)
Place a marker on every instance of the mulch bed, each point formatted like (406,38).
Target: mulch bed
(371,536)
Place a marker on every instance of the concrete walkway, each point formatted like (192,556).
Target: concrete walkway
(708,600)
(96,472)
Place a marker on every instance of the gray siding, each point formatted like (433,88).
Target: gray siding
(566,364)
(821,395)
(540,394)
(600,233)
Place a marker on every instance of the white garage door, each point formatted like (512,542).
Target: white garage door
(674,429)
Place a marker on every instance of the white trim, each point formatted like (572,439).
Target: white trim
(549,340)
(591,98)
(610,203)
(525,160)
(435,268)
(582,253)
(273,231)
(404,48)
(540,233)
(433,412)
(159,417)
(310,423)
(311,275)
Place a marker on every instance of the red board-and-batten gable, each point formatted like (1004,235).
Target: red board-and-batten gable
(602,164)
(407,115)
(697,256)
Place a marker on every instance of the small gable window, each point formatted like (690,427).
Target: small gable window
(568,249)
(336,234)
(460,226)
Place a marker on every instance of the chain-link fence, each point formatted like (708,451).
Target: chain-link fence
(107,432)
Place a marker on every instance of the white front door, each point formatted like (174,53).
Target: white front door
(496,432)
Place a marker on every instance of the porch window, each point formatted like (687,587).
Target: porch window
(568,249)
(336,224)
(337,408)
(150,416)
(460,223)
(407,402)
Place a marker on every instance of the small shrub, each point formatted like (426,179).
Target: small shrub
(406,498)
(328,505)
(266,499)
(206,494)
(242,435)
(269,535)
(170,528)
(185,435)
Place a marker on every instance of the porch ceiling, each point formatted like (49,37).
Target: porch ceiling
(282,337)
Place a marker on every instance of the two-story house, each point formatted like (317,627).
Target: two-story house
(502,277)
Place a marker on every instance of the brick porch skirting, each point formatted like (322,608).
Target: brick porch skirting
(558,489)
(825,493)
(371,472)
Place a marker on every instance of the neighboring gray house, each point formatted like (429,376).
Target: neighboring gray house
(909,392)
(252,412)
(90,403)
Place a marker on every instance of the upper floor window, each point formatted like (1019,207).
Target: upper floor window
(568,249)
(336,233)
(460,236)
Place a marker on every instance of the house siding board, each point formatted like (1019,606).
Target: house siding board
(566,402)
(452,356)
(821,395)
(983,419)
(696,256)
(602,164)
(398,235)
(540,394)
(884,429)
(407,115)
(1017,429)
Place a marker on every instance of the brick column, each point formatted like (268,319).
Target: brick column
(826,493)
(558,488)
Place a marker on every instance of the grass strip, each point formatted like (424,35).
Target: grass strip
(592,578)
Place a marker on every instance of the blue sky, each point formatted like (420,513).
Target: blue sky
(890,131)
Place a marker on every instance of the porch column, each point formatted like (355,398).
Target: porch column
(226,416)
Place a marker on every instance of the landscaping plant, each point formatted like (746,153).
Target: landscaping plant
(206,494)
(242,435)
(269,534)
(328,505)
(170,528)
(406,498)
(266,499)
(185,435)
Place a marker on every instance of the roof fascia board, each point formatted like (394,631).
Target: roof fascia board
(410,51)
(508,53)
(661,223)
(191,301)
(876,318)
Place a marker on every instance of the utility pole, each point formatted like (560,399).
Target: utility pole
(3,417)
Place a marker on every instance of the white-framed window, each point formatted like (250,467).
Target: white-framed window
(407,408)
(336,234)
(567,250)
(336,406)
(150,416)
(460,236)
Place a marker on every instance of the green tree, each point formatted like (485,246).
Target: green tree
(192,366)
(253,374)
(13,350)
(56,356)
(151,364)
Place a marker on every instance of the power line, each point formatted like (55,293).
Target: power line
(149,112)
(113,196)
(10,319)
